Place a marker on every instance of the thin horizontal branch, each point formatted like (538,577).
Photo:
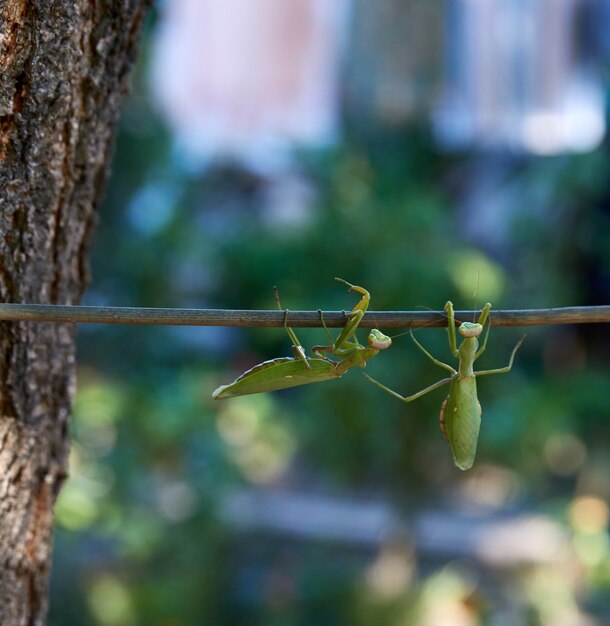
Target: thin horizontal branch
(297,319)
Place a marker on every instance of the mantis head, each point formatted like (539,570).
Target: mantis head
(378,340)
(469,329)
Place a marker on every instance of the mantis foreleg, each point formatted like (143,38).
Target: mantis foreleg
(349,330)
(338,349)
(354,316)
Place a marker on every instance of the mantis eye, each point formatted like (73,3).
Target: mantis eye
(378,340)
(468,329)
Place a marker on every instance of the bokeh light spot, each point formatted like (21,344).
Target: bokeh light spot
(476,276)
(110,602)
(588,514)
(391,572)
(564,453)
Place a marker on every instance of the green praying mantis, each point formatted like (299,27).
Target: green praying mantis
(301,369)
(460,416)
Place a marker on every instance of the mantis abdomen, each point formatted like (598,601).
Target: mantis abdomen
(461,419)
(278,374)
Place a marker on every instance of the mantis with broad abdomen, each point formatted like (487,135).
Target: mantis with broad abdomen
(301,369)
(460,417)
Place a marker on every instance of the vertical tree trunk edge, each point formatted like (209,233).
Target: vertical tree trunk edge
(64,68)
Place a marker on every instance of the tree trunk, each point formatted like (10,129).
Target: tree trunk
(64,66)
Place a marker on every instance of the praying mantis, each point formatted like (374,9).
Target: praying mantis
(301,369)
(460,415)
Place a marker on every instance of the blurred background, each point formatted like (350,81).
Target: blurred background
(428,151)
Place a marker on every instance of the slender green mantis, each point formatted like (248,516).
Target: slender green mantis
(460,417)
(301,369)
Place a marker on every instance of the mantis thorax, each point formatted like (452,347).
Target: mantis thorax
(468,347)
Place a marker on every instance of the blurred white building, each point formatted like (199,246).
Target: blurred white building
(520,74)
(249,79)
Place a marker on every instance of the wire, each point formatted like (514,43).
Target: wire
(299,319)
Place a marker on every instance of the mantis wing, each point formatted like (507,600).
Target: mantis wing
(277,374)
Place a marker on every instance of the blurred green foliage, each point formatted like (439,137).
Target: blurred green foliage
(141,533)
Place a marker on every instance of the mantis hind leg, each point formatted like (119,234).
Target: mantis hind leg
(330,338)
(503,370)
(297,348)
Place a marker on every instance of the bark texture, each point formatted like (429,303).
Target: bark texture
(64,66)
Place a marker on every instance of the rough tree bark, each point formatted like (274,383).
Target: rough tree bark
(64,66)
